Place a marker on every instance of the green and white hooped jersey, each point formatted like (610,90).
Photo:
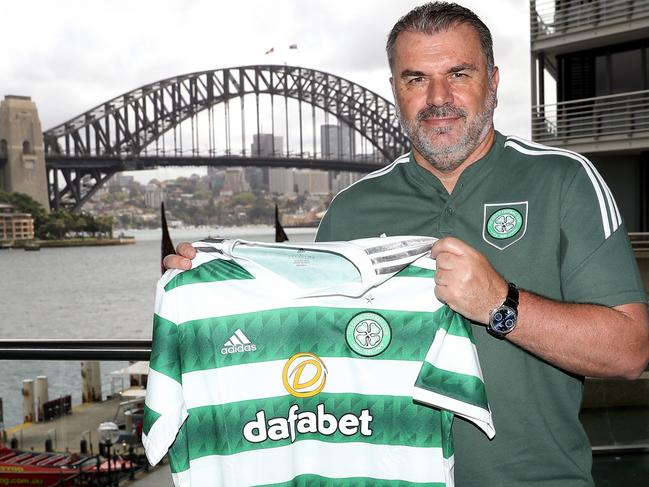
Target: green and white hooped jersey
(309,364)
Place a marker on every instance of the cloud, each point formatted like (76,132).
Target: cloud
(79,54)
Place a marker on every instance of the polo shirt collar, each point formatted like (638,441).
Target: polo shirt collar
(470,177)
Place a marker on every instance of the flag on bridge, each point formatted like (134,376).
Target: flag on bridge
(293,46)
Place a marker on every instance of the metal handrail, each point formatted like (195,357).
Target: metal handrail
(623,115)
(60,349)
(546,19)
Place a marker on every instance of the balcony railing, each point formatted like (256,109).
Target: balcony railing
(550,17)
(611,117)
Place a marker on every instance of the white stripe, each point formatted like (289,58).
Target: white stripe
(330,460)
(604,197)
(454,353)
(228,344)
(225,298)
(480,417)
(590,169)
(241,336)
(164,396)
(344,375)
(234,340)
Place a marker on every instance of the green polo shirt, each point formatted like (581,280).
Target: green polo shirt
(547,221)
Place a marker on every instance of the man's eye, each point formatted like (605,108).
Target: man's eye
(458,75)
(416,80)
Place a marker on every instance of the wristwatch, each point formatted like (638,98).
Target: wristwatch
(502,319)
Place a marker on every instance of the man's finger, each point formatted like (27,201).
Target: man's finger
(451,245)
(175,261)
(185,249)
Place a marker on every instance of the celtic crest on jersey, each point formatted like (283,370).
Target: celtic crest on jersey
(368,334)
(504,224)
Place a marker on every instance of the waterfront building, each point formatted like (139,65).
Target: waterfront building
(590,91)
(15,225)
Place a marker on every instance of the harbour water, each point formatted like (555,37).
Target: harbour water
(86,292)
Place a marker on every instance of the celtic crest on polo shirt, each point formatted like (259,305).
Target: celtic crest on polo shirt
(504,223)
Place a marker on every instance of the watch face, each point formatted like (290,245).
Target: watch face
(503,320)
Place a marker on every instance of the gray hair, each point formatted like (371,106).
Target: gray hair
(435,17)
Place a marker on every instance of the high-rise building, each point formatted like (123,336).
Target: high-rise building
(590,91)
(311,181)
(152,196)
(281,180)
(342,179)
(264,145)
(234,181)
(337,141)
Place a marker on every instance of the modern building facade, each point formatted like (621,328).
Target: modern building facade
(590,91)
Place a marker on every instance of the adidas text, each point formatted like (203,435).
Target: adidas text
(248,347)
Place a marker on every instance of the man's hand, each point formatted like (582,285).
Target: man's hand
(466,281)
(182,259)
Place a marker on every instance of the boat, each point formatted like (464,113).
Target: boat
(48,469)
(31,245)
(33,468)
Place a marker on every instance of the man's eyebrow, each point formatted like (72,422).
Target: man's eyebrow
(408,73)
(463,67)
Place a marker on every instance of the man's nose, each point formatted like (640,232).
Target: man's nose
(439,92)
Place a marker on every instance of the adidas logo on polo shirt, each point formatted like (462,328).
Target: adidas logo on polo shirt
(238,343)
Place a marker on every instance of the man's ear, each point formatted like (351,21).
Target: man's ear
(495,79)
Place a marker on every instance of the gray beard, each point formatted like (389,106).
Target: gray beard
(447,158)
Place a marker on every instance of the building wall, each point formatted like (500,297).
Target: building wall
(312,181)
(21,134)
(281,181)
(628,178)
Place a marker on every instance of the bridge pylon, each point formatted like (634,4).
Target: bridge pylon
(22,160)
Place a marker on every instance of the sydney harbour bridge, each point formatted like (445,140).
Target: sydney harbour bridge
(211,117)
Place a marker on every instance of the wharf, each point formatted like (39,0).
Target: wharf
(66,432)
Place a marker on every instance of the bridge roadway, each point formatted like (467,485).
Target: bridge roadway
(130,163)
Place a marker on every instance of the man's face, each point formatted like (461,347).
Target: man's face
(445,96)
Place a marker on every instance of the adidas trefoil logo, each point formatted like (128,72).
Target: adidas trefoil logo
(238,343)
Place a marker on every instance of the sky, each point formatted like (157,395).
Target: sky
(72,55)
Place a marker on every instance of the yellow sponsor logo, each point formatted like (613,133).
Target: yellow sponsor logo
(304,375)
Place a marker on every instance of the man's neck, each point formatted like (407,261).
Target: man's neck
(449,178)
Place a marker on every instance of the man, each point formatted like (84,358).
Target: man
(506,211)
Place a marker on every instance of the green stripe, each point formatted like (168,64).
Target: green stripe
(179,451)
(319,481)
(416,271)
(164,353)
(150,417)
(279,334)
(465,388)
(212,271)
(218,430)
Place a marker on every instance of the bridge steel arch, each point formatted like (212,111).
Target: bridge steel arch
(89,148)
